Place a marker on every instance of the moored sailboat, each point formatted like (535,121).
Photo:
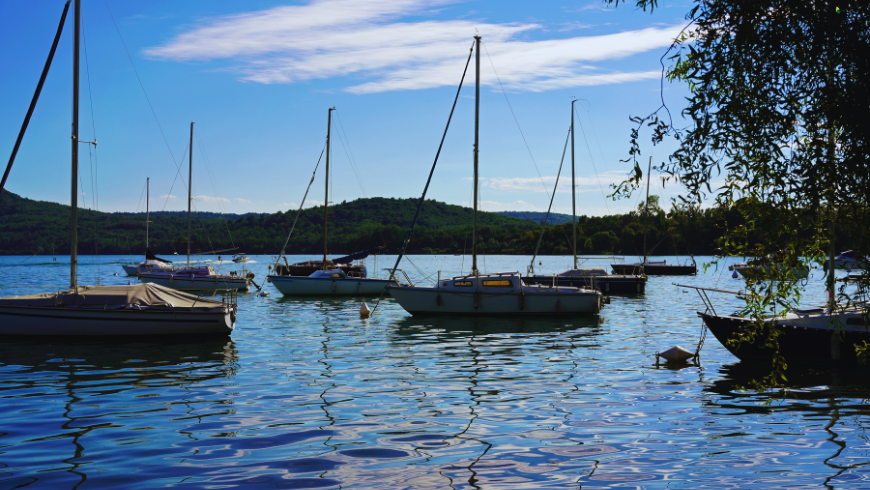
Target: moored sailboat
(326,277)
(202,278)
(594,278)
(134,310)
(489,294)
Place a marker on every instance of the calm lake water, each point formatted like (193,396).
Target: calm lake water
(305,394)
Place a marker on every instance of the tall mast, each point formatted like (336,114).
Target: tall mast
(573,189)
(646,206)
(476,149)
(189,191)
(74,204)
(326,193)
(147,209)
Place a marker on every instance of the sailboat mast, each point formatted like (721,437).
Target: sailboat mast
(74,204)
(476,150)
(147,208)
(573,189)
(189,190)
(326,193)
(646,206)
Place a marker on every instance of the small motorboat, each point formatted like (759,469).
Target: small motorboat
(241,259)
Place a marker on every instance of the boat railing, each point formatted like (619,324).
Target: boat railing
(702,292)
(405,274)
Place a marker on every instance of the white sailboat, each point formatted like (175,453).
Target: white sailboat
(151,263)
(331,279)
(202,278)
(135,310)
(491,294)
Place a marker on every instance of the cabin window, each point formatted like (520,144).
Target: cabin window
(462,284)
(336,276)
(500,283)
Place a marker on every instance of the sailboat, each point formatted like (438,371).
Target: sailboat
(654,268)
(134,310)
(201,278)
(327,277)
(151,262)
(491,294)
(596,278)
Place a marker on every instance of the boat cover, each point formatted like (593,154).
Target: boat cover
(592,271)
(150,256)
(132,296)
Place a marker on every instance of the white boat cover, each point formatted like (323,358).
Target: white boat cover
(132,296)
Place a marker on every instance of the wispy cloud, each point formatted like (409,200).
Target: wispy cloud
(168,196)
(241,201)
(368,40)
(210,199)
(533,184)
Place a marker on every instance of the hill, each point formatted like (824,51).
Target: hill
(538,216)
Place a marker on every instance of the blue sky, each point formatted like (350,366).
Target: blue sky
(257,77)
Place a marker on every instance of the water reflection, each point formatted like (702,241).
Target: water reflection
(82,386)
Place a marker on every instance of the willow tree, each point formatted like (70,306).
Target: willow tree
(776,126)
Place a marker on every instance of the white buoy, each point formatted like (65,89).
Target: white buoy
(364,311)
(263,293)
(676,354)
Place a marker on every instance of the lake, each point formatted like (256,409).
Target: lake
(306,394)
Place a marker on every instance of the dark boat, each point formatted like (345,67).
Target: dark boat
(344,263)
(656,269)
(809,336)
(593,279)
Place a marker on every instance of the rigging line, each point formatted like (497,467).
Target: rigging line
(93,161)
(174,180)
(299,212)
(142,86)
(35,98)
(208,170)
(515,119)
(350,156)
(597,177)
(429,180)
(531,268)
(141,196)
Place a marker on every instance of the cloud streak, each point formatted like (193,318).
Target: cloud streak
(370,40)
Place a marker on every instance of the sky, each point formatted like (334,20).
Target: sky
(258,77)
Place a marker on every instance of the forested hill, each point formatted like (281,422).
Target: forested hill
(538,216)
(29,227)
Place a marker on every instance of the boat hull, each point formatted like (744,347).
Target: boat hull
(654,269)
(94,322)
(328,286)
(605,284)
(799,343)
(197,283)
(547,302)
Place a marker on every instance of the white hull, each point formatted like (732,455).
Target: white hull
(197,283)
(533,301)
(72,321)
(327,286)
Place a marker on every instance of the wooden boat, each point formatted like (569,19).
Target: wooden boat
(489,294)
(89,311)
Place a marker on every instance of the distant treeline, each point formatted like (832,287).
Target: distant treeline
(30,227)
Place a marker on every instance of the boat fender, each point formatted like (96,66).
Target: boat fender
(522,299)
(675,354)
(269,280)
(476,299)
(438,300)
(364,311)
(558,305)
(334,285)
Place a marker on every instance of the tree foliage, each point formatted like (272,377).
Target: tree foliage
(778,128)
